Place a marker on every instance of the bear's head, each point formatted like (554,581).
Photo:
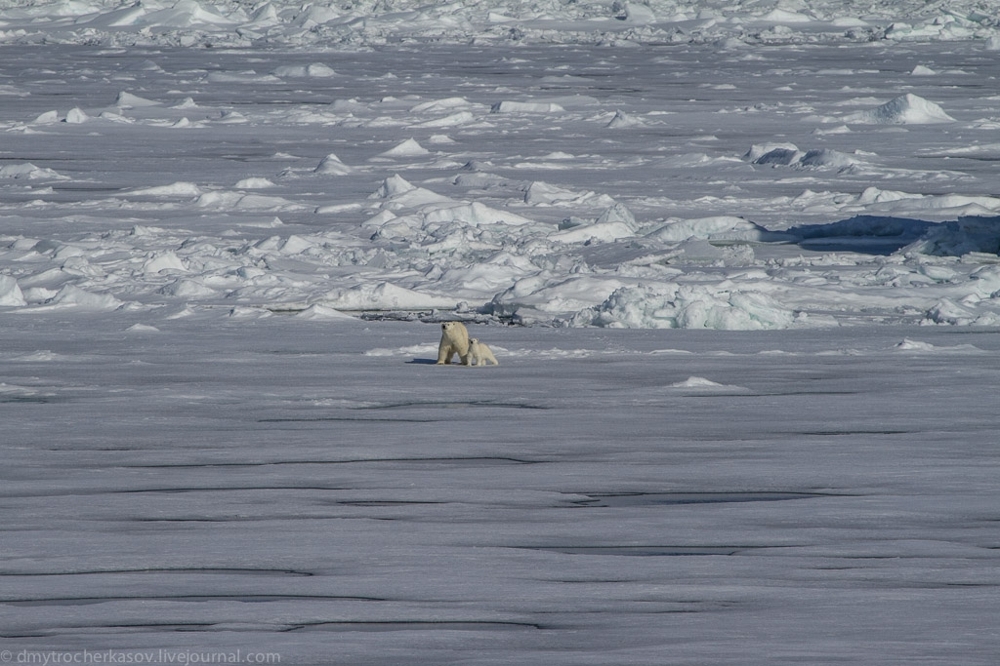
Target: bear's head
(448,325)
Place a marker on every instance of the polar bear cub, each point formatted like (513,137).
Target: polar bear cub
(480,354)
(454,340)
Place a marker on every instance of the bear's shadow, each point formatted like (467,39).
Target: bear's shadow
(423,361)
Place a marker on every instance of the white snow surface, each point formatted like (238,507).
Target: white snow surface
(570,187)
(739,262)
(316,489)
(377,22)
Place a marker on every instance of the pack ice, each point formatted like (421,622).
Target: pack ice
(739,262)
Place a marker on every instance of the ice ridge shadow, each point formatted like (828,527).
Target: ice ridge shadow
(883,235)
(645,551)
(615,500)
(630,500)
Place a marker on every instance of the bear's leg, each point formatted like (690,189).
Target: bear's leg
(445,353)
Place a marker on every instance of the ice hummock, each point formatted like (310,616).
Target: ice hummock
(579,198)
(201,23)
(908,109)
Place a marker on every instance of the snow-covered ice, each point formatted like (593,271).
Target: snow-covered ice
(829,205)
(316,488)
(739,263)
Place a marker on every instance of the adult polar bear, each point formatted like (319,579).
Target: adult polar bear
(454,340)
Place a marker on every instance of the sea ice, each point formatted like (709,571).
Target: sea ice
(747,409)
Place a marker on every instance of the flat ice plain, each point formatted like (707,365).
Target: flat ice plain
(739,265)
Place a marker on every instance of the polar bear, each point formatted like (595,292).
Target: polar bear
(480,354)
(454,340)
